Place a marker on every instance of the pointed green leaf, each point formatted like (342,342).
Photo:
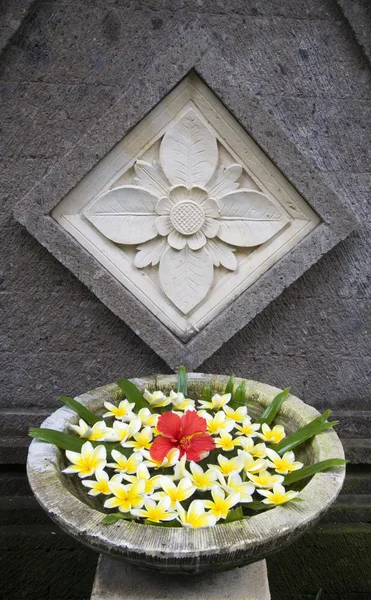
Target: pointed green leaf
(311,470)
(304,433)
(114,517)
(256,505)
(131,392)
(235,514)
(83,412)
(239,397)
(66,441)
(230,385)
(319,595)
(173,523)
(274,407)
(182,381)
(206,392)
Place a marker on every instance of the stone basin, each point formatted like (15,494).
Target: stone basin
(182,550)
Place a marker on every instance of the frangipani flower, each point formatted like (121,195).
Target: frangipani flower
(202,480)
(220,504)
(100,486)
(249,464)
(170,459)
(187,433)
(155,512)
(180,470)
(124,431)
(247,428)
(156,399)
(176,493)
(235,484)
(248,445)
(195,516)
(89,461)
(98,432)
(126,497)
(216,423)
(217,402)
(226,441)
(123,412)
(265,479)
(180,403)
(124,464)
(150,483)
(228,466)
(274,435)
(148,418)
(278,495)
(142,440)
(283,464)
(238,415)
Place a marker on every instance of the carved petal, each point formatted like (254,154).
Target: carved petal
(210,227)
(189,152)
(197,240)
(224,181)
(150,253)
(164,206)
(151,177)
(164,225)
(186,276)
(177,240)
(179,193)
(210,207)
(125,215)
(249,218)
(197,194)
(222,254)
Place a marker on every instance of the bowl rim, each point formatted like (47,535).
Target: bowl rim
(280,523)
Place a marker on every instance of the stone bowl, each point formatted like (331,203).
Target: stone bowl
(183,550)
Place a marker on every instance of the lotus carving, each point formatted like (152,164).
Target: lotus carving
(186,213)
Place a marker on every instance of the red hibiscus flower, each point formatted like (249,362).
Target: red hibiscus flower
(187,433)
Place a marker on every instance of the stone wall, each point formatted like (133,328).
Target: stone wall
(64,64)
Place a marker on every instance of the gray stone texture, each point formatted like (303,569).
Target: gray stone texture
(64,70)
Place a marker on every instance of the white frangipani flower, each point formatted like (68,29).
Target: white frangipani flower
(147,417)
(97,432)
(195,516)
(156,399)
(216,403)
(155,512)
(150,483)
(124,431)
(180,403)
(176,493)
(101,483)
(88,461)
(123,464)
(235,484)
(238,415)
(278,495)
(124,411)
(218,423)
(170,459)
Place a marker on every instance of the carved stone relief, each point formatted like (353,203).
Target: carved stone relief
(187,212)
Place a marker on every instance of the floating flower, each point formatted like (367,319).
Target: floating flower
(98,432)
(123,412)
(195,516)
(247,428)
(124,431)
(148,418)
(180,470)
(220,504)
(248,445)
(170,459)
(235,484)
(283,464)
(126,497)
(176,493)
(88,461)
(142,440)
(228,466)
(238,415)
(124,464)
(156,399)
(278,496)
(274,435)
(100,486)
(180,403)
(216,402)
(265,479)
(155,512)
(202,480)
(187,433)
(226,442)
(218,423)
(250,465)
(150,483)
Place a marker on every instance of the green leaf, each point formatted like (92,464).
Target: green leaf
(83,412)
(230,385)
(274,407)
(239,397)
(306,472)
(235,514)
(114,517)
(206,392)
(131,392)
(182,381)
(256,505)
(304,433)
(173,523)
(319,595)
(66,441)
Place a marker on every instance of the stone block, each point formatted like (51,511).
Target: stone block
(116,580)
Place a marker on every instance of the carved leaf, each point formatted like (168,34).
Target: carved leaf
(224,181)
(125,215)
(222,254)
(186,276)
(151,177)
(189,152)
(249,218)
(150,253)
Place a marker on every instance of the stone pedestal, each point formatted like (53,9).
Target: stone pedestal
(116,580)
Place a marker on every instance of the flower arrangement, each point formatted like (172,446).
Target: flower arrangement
(177,461)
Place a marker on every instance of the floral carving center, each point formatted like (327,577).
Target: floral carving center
(187,217)
(186,213)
